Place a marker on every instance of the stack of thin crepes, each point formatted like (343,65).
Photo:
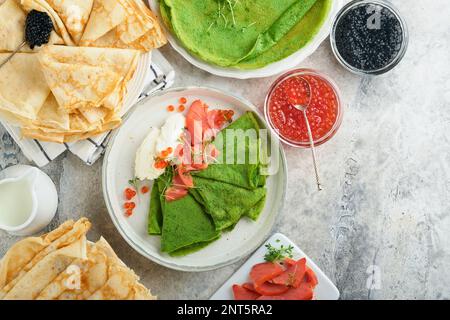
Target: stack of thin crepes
(74,87)
(62,265)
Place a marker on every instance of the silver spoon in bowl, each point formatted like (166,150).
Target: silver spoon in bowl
(303,106)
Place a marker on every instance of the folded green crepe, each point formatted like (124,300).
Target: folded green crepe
(155,221)
(225,202)
(246,175)
(186,227)
(222,194)
(239,175)
(297,38)
(230,191)
(231,32)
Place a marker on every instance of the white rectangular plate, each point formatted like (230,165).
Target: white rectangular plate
(325,289)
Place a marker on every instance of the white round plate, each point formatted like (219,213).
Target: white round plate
(118,169)
(137,83)
(272,69)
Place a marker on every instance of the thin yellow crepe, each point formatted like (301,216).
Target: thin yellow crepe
(79,86)
(74,14)
(82,77)
(80,129)
(123,24)
(24,251)
(51,116)
(93,273)
(122,61)
(122,282)
(87,90)
(25,255)
(12,26)
(62,265)
(23,87)
(38,278)
(73,93)
(108,125)
(105,16)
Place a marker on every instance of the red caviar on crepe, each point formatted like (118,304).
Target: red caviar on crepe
(183,143)
(196,152)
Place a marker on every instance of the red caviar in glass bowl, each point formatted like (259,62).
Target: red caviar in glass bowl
(324,111)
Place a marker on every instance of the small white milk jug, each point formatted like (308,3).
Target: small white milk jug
(28,200)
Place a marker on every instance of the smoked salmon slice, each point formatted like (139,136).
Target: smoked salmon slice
(195,152)
(286,280)
(303,292)
(197,121)
(203,124)
(181,182)
(294,274)
(175,193)
(249,286)
(310,277)
(241,293)
(264,272)
(183,178)
(271,289)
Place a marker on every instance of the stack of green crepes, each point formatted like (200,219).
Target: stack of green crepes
(244,34)
(222,194)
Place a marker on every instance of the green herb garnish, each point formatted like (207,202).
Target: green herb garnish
(278,254)
(134,182)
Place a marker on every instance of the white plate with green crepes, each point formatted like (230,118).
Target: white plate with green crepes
(119,168)
(235,18)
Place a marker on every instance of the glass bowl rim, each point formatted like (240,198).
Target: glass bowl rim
(340,111)
(400,54)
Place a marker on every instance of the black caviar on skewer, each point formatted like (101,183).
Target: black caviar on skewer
(38,27)
(369,37)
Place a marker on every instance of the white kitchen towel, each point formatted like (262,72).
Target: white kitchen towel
(160,76)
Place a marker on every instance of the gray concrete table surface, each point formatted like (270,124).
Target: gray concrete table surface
(385,206)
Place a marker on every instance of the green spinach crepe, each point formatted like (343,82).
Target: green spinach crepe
(155,221)
(222,195)
(183,224)
(297,38)
(241,166)
(244,33)
(227,203)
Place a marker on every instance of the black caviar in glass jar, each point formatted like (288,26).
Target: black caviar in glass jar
(38,27)
(369,37)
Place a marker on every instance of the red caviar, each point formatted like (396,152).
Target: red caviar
(181,108)
(183,100)
(165,153)
(129,194)
(161,164)
(323,111)
(129,212)
(129,205)
(145,189)
(170,108)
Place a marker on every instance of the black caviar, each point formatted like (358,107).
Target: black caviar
(38,27)
(369,37)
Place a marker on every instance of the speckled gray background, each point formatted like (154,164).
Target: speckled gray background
(387,177)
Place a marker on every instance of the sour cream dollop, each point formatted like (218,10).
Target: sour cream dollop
(170,134)
(157,141)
